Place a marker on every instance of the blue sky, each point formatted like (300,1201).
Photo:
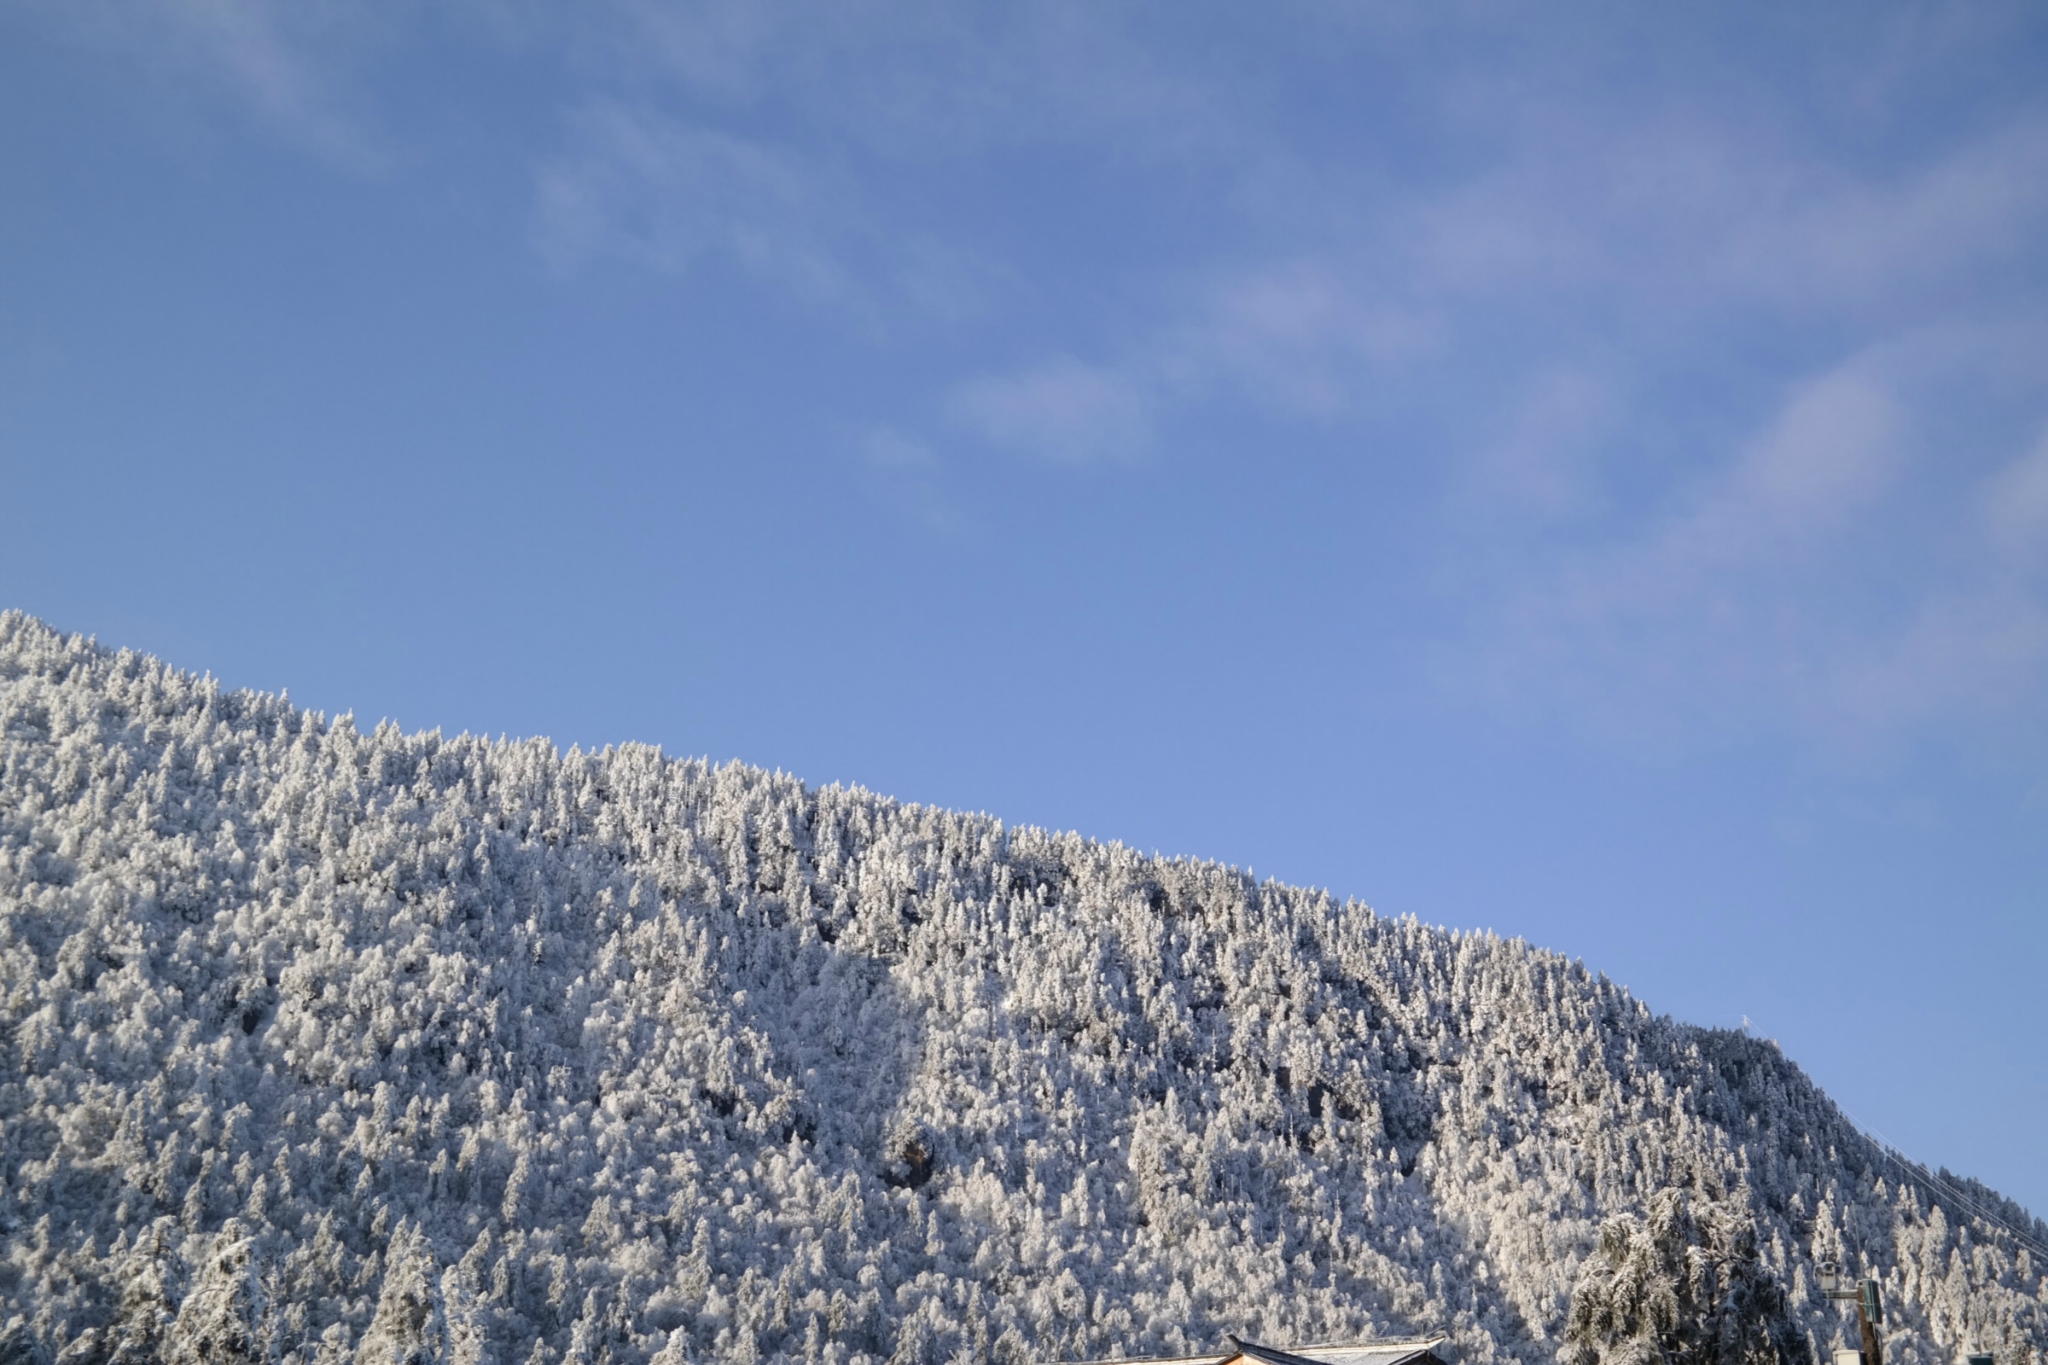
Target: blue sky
(1576,471)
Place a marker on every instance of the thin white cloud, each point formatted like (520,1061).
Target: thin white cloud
(911,479)
(2016,508)
(1300,336)
(1975,653)
(926,80)
(1910,236)
(1062,410)
(633,183)
(663,193)
(1770,596)
(1543,459)
(1829,451)
(1527,239)
(285,65)
(892,450)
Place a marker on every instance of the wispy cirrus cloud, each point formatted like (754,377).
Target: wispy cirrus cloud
(1829,579)
(287,68)
(910,477)
(1541,454)
(923,81)
(663,193)
(1912,239)
(1629,300)
(1061,410)
(2015,509)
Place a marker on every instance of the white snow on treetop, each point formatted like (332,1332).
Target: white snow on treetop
(323,1045)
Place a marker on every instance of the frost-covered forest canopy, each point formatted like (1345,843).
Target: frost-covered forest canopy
(319,1044)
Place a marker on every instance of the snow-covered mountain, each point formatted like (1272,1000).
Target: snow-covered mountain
(319,1044)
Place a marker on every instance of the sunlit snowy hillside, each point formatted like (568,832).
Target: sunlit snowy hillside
(324,1044)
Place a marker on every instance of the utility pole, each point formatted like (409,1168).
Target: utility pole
(1869,1310)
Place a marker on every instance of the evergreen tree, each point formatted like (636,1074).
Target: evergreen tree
(1682,1285)
(703,1063)
(407,1329)
(222,1319)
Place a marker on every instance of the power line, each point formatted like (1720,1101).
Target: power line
(1919,1171)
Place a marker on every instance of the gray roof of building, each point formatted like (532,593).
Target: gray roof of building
(1406,1351)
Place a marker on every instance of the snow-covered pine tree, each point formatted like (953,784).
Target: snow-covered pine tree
(610,1054)
(408,1328)
(1681,1285)
(222,1319)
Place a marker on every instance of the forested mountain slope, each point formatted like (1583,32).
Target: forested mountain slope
(323,1044)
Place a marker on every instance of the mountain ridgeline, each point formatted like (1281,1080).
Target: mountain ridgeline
(319,1044)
